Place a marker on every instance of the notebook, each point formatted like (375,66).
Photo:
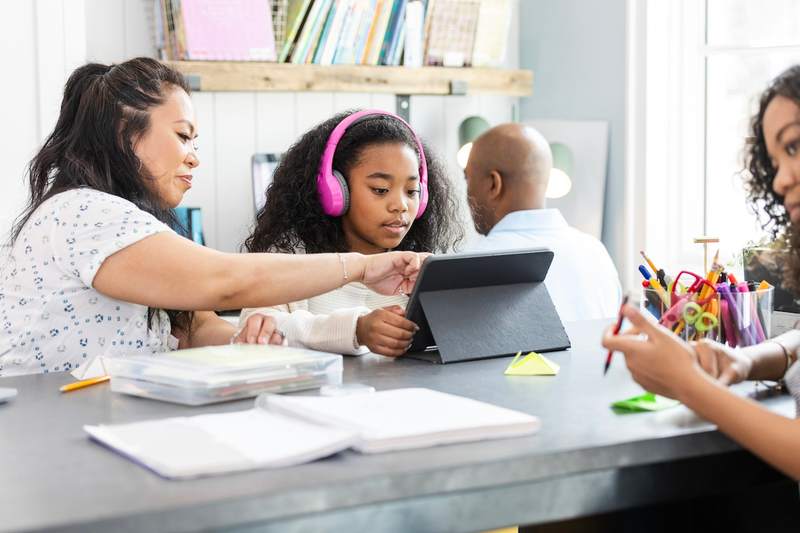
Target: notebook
(289,430)
(450,32)
(403,419)
(237,30)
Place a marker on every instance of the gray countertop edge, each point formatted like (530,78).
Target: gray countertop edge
(243,510)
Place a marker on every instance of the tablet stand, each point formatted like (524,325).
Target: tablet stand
(493,321)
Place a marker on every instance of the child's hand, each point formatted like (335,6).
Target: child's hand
(259,329)
(386,331)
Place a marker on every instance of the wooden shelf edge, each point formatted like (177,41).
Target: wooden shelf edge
(282,77)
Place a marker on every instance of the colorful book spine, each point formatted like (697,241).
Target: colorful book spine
(316,31)
(346,52)
(303,41)
(326,30)
(395,23)
(383,13)
(363,32)
(344,10)
(298,10)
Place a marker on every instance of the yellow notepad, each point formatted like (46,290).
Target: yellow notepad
(533,364)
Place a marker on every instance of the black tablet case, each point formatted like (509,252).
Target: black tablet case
(491,318)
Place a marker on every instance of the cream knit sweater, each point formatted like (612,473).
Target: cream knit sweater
(327,322)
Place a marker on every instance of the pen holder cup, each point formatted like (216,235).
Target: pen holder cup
(739,318)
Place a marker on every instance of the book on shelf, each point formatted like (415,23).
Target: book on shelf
(225,30)
(491,35)
(311,27)
(396,19)
(450,36)
(335,32)
(280,17)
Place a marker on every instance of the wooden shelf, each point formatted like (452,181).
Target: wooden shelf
(258,76)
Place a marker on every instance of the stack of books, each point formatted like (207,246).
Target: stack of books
(413,33)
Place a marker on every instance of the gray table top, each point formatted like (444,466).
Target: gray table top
(53,476)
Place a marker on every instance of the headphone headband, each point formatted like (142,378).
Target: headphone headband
(331,185)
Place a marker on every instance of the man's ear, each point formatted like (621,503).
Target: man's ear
(495,185)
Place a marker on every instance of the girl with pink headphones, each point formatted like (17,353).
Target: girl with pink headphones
(359,182)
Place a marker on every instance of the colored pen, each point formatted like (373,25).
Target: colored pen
(656,286)
(645,273)
(617,327)
(658,271)
(84,383)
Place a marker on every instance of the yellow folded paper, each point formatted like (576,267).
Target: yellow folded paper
(533,364)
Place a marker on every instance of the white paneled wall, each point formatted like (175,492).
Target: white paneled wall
(41,42)
(232,126)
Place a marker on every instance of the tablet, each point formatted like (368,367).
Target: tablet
(465,271)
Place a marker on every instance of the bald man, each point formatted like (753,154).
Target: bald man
(507,174)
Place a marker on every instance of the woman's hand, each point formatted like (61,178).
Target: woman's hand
(392,272)
(660,362)
(386,331)
(720,361)
(259,329)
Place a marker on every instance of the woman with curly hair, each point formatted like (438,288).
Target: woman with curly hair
(392,194)
(697,373)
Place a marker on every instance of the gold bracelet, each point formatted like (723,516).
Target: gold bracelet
(343,261)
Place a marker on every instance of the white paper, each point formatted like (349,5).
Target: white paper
(408,418)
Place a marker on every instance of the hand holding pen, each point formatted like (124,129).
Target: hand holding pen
(616,331)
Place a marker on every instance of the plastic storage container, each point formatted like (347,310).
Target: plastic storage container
(212,374)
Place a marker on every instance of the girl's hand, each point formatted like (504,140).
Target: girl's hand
(386,331)
(726,364)
(259,329)
(660,362)
(392,272)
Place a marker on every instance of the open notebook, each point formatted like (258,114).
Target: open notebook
(290,430)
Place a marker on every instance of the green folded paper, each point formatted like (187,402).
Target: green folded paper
(644,403)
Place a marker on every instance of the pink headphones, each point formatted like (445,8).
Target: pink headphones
(331,185)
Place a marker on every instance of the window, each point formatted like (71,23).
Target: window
(706,64)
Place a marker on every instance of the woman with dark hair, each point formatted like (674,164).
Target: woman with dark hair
(94,268)
(697,373)
(398,199)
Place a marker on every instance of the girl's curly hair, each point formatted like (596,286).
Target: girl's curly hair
(292,218)
(759,174)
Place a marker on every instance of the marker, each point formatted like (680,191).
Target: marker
(616,331)
(645,273)
(658,271)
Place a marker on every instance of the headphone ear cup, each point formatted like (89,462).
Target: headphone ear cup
(345,191)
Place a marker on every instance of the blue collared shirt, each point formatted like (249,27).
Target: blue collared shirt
(582,281)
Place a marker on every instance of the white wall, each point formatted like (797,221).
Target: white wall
(577,51)
(44,40)
(41,42)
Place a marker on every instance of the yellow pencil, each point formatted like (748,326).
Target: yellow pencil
(84,383)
